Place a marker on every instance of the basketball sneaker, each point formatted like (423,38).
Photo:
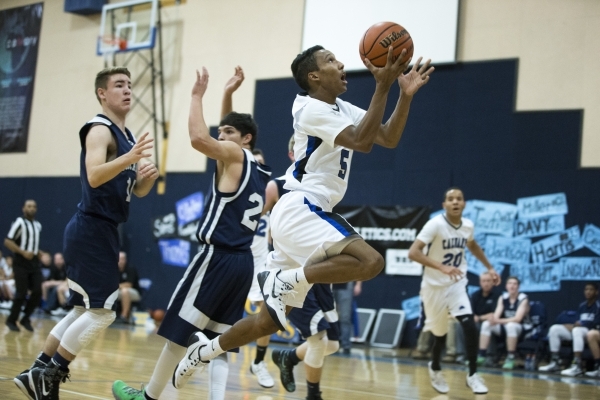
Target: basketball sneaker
(262,375)
(281,358)
(509,363)
(593,374)
(477,384)
(191,362)
(573,370)
(22,380)
(552,367)
(437,380)
(123,392)
(275,292)
(45,381)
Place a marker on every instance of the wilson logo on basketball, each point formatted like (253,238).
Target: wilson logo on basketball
(391,38)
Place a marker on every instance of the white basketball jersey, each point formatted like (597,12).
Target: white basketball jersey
(447,245)
(321,167)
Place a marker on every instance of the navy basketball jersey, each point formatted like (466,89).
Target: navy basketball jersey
(230,219)
(111,199)
(510,310)
(588,314)
(280,189)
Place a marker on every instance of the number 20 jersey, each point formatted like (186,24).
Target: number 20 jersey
(447,245)
(230,219)
(321,168)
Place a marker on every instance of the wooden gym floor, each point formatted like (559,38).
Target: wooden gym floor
(129,354)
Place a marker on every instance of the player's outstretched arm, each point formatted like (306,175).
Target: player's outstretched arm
(416,254)
(362,136)
(390,133)
(198,130)
(230,87)
(477,251)
(147,174)
(97,143)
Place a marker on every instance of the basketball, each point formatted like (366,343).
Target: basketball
(379,37)
(157,315)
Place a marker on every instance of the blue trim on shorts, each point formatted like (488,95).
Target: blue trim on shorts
(330,218)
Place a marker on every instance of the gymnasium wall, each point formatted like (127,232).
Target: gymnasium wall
(556,42)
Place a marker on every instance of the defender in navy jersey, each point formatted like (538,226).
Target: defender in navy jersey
(312,244)
(211,296)
(587,315)
(443,288)
(512,312)
(112,168)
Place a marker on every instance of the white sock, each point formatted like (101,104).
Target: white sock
(294,276)
(211,350)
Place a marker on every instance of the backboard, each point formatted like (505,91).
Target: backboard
(127,26)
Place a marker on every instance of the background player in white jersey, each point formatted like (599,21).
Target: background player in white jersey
(310,242)
(444,284)
(212,293)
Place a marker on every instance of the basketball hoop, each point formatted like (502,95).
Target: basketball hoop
(112,45)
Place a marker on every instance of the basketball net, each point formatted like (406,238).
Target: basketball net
(112,45)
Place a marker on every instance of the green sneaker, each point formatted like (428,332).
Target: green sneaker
(480,360)
(123,392)
(509,363)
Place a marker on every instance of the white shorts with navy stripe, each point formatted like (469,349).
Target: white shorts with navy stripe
(260,261)
(305,232)
(439,301)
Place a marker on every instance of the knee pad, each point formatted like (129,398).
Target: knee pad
(59,329)
(331,347)
(468,324)
(315,353)
(86,328)
(512,329)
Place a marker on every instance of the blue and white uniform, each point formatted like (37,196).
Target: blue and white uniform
(91,240)
(260,245)
(212,293)
(304,229)
(440,294)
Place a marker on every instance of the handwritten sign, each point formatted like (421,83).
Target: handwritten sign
(189,208)
(412,307)
(492,217)
(175,252)
(580,268)
(164,226)
(539,206)
(591,238)
(556,246)
(540,226)
(537,278)
(398,263)
(475,266)
(507,250)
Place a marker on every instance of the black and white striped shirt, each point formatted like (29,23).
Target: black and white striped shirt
(26,234)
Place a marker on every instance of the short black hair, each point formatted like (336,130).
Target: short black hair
(593,284)
(303,64)
(243,123)
(452,188)
(258,152)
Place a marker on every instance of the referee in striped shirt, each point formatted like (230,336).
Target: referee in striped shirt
(24,240)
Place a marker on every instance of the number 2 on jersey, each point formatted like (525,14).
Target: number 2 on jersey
(452,259)
(253,212)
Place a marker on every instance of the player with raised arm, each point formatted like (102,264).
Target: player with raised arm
(212,293)
(444,284)
(311,243)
